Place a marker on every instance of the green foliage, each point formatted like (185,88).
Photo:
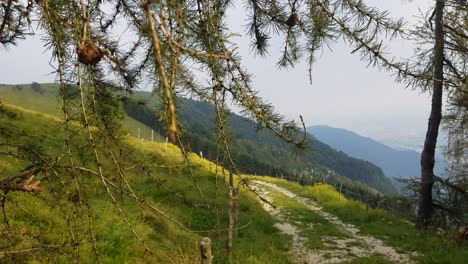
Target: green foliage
(254,151)
(50,104)
(15,21)
(42,224)
(369,260)
(259,151)
(40,221)
(170,38)
(27,98)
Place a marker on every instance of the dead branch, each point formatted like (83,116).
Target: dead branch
(23,181)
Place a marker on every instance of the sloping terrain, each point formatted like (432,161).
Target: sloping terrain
(325,227)
(47,101)
(394,163)
(74,217)
(342,244)
(255,152)
(260,151)
(314,224)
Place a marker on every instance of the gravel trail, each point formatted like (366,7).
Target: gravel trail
(338,250)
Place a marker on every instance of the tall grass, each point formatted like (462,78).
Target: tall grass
(431,246)
(171,187)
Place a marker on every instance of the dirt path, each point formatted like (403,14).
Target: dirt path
(338,249)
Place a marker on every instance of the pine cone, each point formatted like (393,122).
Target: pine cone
(89,53)
(292,20)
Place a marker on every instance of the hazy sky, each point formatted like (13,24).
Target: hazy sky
(344,92)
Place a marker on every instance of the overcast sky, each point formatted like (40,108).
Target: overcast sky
(344,92)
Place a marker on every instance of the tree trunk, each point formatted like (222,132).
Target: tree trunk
(236,211)
(231,213)
(427,156)
(224,175)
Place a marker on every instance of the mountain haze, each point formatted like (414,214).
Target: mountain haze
(394,163)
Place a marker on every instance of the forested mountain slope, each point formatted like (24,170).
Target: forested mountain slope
(255,152)
(260,151)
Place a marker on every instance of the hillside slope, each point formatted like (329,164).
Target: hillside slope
(394,163)
(254,151)
(73,216)
(261,151)
(325,227)
(54,225)
(46,101)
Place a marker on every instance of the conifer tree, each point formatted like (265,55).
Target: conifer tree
(169,38)
(442,38)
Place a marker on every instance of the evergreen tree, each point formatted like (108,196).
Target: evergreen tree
(170,38)
(441,54)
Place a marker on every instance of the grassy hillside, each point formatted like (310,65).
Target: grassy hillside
(42,223)
(261,151)
(254,151)
(40,226)
(47,101)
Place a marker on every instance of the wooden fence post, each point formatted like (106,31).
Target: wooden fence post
(205,251)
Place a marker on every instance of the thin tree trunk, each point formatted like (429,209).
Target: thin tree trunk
(224,175)
(427,156)
(231,213)
(236,210)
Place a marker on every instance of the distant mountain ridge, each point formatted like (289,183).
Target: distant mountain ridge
(394,163)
